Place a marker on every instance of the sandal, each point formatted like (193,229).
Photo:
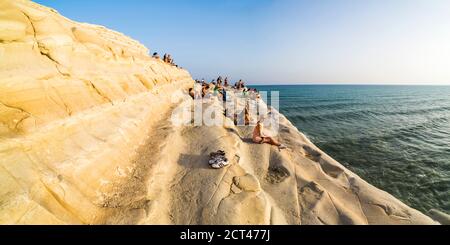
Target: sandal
(217,165)
(212,161)
(218,159)
(220,164)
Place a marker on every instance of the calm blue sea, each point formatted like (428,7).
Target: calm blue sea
(395,137)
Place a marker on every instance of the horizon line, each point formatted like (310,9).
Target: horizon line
(349,84)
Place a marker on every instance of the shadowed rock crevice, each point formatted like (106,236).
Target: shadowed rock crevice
(102,95)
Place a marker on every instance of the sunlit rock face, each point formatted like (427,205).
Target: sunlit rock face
(75,102)
(86,138)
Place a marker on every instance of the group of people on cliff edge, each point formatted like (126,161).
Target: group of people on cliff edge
(167,58)
(218,88)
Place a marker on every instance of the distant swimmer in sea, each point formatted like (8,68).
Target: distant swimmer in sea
(259,138)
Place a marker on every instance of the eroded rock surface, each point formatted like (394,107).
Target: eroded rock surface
(86,138)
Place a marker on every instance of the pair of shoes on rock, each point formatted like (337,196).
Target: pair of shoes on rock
(219,164)
(218,160)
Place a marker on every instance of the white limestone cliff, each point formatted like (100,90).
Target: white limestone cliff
(86,138)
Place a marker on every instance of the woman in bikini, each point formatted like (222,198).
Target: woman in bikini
(259,138)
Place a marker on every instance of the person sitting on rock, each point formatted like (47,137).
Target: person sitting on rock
(155,55)
(240,84)
(205,90)
(224,94)
(259,138)
(217,89)
(247,118)
(192,93)
(245,92)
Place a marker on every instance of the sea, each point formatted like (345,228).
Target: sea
(395,137)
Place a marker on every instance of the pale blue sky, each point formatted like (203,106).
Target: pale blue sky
(287,41)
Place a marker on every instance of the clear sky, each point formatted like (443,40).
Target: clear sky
(286,41)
